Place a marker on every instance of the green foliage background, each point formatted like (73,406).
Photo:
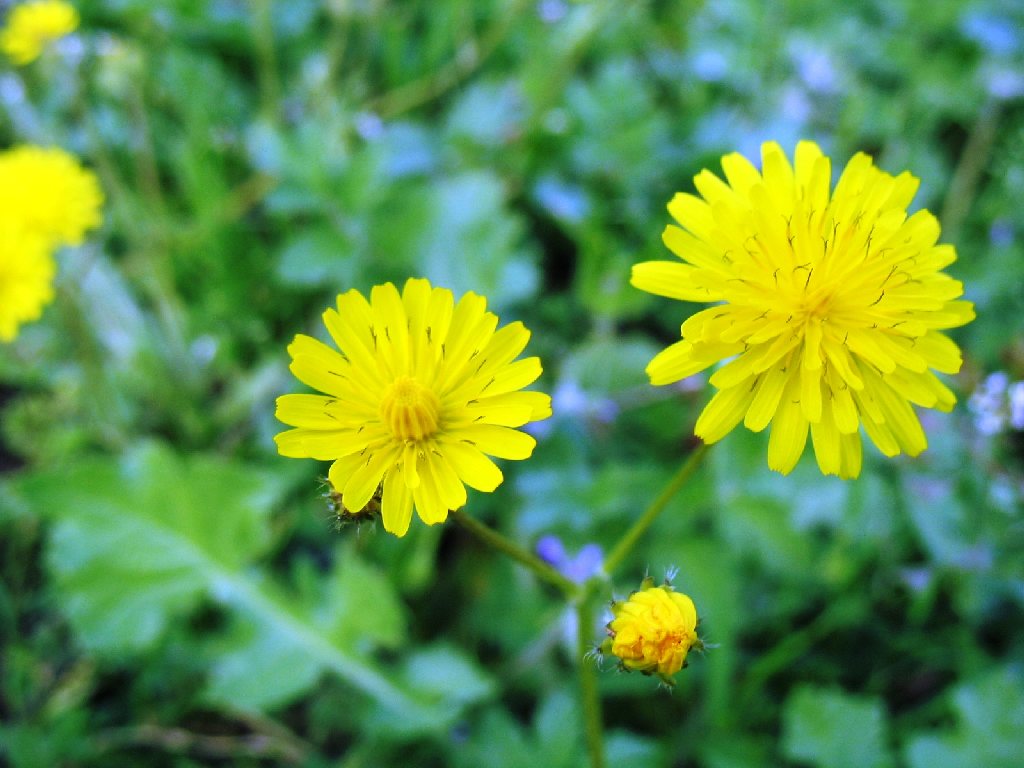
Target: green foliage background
(172,593)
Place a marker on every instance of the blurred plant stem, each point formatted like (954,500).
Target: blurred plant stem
(144,219)
(590,696)
(963,186)
(470,57)
(629,540)
(503,544)
(269,84)
(582,598)
(274,746)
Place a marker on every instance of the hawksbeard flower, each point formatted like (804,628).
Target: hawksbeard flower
(50,192)
(422,391)
(26,277)
(831,306)
(653,631)
(34,25)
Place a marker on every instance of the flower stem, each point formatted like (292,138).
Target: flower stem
(589,695)
(627,542)
(503,544)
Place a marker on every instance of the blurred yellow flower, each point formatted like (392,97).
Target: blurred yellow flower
(653,631)
(26,277)
(32,26)
(422,391)
(831,306)
(50,192)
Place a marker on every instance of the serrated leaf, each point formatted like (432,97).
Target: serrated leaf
(137,542)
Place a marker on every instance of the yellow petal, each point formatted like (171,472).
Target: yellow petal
(810,394)
(850,456)
(341,470)
(364,481)
(866,345)
(672,280)
(844,410)
(396,503)
(429,502)
(449,487)
(512,377)
(723,413)
(778,175)
(740,172)
(789,431)
(827,444)
(940,352)
(766,399)
(501,442)
(473,468)
(324,445)
(319,412)
(902,421)
(693,213)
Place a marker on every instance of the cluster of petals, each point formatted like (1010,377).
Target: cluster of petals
(827,306)
(653,631)
(47,200)
(418,392)
(33,25)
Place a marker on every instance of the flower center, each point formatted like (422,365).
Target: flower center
(410,410)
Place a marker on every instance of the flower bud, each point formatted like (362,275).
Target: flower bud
(653,631)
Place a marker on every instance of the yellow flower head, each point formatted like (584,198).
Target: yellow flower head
(421,390)
(32,26)
(26,277)
(831,306)
(51,192)
(653,631)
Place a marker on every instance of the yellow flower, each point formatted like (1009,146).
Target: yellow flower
(831,306)
(26,277)
(50,191)
(653,631)
(31,26)
(423,388)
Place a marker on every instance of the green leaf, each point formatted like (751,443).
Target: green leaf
(611,365)
(555,741)
(137,543)
(625,748)
(263,670)
(472,242)
(260,666)
(321,256)
(441,675)
(558,728)
(940,518)
(833,729)
(991,715)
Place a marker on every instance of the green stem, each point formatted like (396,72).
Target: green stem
(471,56)
(629,540)
(492,538)
(269,84)
(963,186)
(589,695)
